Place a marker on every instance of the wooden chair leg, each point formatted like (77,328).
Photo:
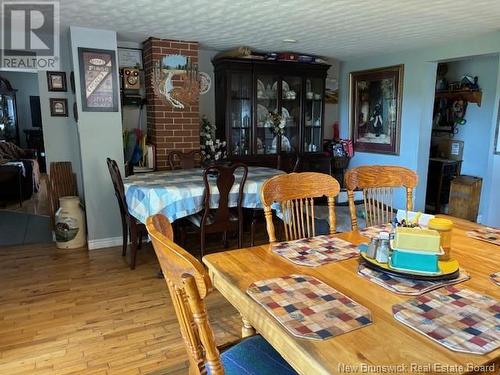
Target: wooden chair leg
(252,231)
(139,240)
(125,237)
(240,234)
(224,240)
(133,239)
(202,243)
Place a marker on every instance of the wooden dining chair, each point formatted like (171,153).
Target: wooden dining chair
(184,160)
(222,219)
(189,284)
(129,223)
(378,183)
(295,193)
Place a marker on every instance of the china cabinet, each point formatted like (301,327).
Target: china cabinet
(9,130)
(246,91)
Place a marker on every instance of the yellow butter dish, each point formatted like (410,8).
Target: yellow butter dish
(417,239)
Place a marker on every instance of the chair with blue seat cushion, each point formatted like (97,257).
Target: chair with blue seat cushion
(189,284)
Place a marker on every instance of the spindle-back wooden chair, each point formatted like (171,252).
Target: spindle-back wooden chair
(184,160)
(378,183)
(189,284)
(295,193)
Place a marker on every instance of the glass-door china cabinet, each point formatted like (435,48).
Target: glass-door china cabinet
(246,91)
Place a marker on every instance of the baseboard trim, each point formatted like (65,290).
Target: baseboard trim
(105,242)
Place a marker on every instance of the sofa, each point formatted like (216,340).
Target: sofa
(19,173)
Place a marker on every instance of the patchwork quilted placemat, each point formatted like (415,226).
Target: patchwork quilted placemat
(491,235)
(405,286)
(308,308)
(460,319)
(373,231)
(316,251)
(495,277)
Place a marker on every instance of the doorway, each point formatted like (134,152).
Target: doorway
(461,134)
(24,200)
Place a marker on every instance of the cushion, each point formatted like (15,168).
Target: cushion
(254,356)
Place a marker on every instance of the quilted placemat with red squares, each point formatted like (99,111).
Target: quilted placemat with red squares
(316,251)
(405,286)
(374,230)
(491,235)
(460,319)
(308,308)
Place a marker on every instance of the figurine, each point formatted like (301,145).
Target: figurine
(376,120)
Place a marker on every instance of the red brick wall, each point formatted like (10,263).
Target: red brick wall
(170,128)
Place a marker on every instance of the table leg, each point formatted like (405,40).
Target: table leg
(246,330)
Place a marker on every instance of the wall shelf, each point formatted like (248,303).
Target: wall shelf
(467,95)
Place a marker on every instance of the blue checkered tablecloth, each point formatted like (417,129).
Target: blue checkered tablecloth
(179,193)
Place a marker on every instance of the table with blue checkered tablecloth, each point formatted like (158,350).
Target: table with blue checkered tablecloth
(179,193)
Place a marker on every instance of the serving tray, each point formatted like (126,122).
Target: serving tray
(449,269)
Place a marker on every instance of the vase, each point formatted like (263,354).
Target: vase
(70,224)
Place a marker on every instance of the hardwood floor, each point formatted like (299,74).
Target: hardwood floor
(80,312)
(38,204)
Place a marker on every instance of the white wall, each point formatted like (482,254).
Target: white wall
(60,134)
(207,101)
(331,109)
(100,135)
(26,85)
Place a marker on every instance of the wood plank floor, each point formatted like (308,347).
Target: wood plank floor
(80,312)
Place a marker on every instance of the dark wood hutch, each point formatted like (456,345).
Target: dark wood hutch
(247,90)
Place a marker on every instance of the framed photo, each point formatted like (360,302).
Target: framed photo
(98,77)
(375,109)
(130,58)
(56,81)
(59,107)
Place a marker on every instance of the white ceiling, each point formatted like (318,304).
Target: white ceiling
(333,28)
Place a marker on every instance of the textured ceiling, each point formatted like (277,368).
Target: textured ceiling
(334,28)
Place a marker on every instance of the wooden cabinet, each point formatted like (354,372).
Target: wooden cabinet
(9,130)
(465,194)
(439,176)
(247,90)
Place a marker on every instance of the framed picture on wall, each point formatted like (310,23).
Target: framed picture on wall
(375,109)
(58,107)
(130,58)
(98,77)
(56,81)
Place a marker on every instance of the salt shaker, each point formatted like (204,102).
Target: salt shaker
(383,251)
(372,248)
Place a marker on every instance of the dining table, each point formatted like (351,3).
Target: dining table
(180,193)
(386,345)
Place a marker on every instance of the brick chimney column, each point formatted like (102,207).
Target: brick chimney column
(170,128)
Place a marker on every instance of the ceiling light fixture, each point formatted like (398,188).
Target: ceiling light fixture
(290,40)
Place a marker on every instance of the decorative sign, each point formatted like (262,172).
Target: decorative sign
(99,80)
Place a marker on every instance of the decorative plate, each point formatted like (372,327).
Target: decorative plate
(205,82)
(285,87)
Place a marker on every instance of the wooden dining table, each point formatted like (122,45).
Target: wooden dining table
(384,346)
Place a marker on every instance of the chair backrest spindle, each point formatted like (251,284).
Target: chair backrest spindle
(295,193)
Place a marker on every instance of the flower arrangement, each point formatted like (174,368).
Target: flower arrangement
(277,123)
(212,149)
